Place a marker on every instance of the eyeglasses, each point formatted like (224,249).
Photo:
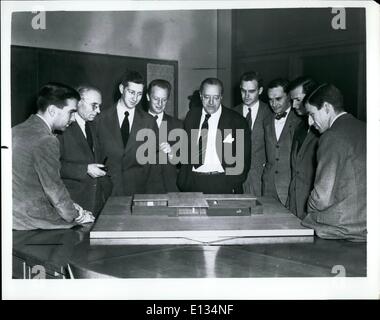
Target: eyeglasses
(93,105)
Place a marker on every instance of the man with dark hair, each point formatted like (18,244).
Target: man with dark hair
(40,199)
(117,130)
(82,170)
(157,96)
(304,148)
(222,157)
(278,136)
(337,204)
(254,111)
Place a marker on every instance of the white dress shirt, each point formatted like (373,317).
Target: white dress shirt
(121,108)
(279,124)
(212,162)
(159,118)
(81,123)
(254,111)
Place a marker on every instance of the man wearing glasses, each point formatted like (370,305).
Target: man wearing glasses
(81,169)
(158,95)
(220,156)
(118,129)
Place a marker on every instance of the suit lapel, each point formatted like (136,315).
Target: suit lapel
(114,127)
(308,139)
(81,140)
(288,125)
(136,125)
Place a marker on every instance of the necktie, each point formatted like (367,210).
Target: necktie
(281,115)
(156,118)
(125,128)
(202,143)
(89,135)
(248,117)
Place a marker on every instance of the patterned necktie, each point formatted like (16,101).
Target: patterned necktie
(202,143)
(89,135)
(281,115)
(125,128)
(248,117)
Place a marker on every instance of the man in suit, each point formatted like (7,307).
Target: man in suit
(337,204)
(255,111)
(304,148)
(81,169)
(118,128)
(220,148)
(278,136)
(40,198)
(157,96)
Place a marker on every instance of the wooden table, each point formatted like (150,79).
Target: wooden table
(55,249)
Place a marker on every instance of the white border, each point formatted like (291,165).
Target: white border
(252,288)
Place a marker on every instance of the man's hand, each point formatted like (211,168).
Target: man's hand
(94,170)
(84,215)
(165,147)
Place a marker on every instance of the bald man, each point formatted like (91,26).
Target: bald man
(82,168)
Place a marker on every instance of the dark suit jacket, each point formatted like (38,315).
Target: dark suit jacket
(168,172)
(40,198)
(233,121)
(276,175)
(337,206)
(128,175)
(303,165)
(89,193)
(253,183)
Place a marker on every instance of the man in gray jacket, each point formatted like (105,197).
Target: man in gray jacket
(40,199)
(337,206)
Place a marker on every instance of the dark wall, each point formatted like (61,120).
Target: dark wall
(293,42)
(33,67)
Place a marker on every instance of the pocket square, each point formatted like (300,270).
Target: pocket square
(228,139)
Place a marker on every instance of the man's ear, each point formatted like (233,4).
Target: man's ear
(261,90)
(51,109)
(328,107)
(121,88)
(147,97)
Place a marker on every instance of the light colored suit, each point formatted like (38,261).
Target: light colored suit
(253,183)
(40,199)
(128,176)
(277,174)
(337,206)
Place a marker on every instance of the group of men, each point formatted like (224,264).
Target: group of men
(303,150)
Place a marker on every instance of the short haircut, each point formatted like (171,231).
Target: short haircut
(211,81)
(308,84)
(161,83)
(250,76)
(54,93)
(279,82)
(83,88)
(132,76)
(326,93)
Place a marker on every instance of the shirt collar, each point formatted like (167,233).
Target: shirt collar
(287,114)
(122,108)
(215,114)
(79,120)
(159,116)
(254,106)
(43,119)
(336,117)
